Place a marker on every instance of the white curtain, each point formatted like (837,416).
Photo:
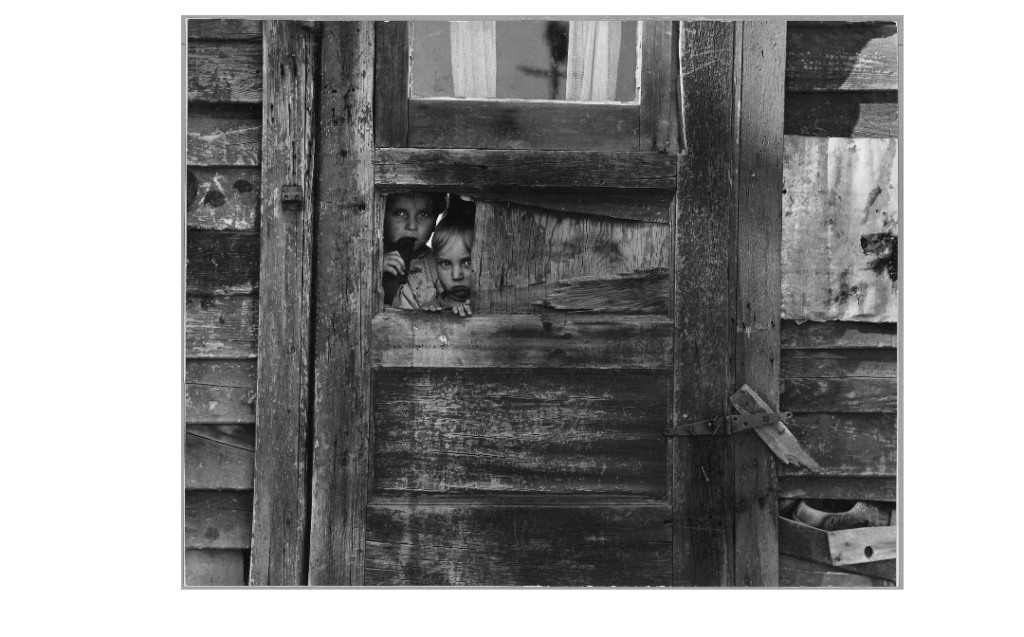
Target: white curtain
(474,58)
(593,65)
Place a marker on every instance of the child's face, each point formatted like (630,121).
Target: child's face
(454,269)
(409,216)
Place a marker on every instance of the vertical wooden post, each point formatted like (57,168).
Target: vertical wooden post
(762,46)
(727,290)
(702,471)
(279,528)
(347,245)
(391,100)
(659,125)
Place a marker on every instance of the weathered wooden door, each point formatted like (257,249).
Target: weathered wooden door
(627,280)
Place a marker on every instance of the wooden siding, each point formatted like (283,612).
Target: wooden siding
(223,198)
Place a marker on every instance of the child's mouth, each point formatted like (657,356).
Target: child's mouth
(459,293)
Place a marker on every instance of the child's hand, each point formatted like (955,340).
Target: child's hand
(393,264)
(463,310)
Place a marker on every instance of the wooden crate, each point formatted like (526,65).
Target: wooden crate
(838,548)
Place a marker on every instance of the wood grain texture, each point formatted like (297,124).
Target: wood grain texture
(420,339)
(218,519)
(523,253)
(472,170)
(525,545)
(220,29)
(858,114)
(544,431)
(225,72)
(280,514)
(797,573)
(837,548)
(838,335)
(702,470)
(838,487)
(776,437)
(215,567)
(223,198)
(222,262)
(758,294)
(348,273)
(659,88)
(452,123)
(637,292)
(847,444)
(218,459)
(639,205)
(391,90)
(841,57)
(221,373)
(839,395)
(223,141)
(210,404)
(221,326)
(839,363)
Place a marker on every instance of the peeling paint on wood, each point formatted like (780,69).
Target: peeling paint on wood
(415,339)
(218,519)
(841,57)
(520,431)
(846,444)
(522,252)
(223,141)
(221,327)
(840,229)
(839,395)
(215,459)
(509,545)
(225,72)
(223,198)
(222,262)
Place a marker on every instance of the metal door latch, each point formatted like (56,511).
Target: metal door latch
(724,425)
(291,198)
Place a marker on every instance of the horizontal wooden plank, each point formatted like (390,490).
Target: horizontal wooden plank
(223,141)
(218,519)
(219,458)
(837,335)
(653,206)
(860,114)
(841,57)
(419,339)
(525,545)
(520,431)
(837,548)
(478,170)
(221,326)
(221,262)
(215,567)
(223,198)
(523,253)
(839,363)
(225,72)
(221,373)
(548,125)
(838,487)
(797,573)
(838,395)
(637,292)
(210,404)
(846,444)
(220,29)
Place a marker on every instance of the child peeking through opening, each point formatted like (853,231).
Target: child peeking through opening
(416,277)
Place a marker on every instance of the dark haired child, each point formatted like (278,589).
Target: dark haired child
(410,278)
(453,247)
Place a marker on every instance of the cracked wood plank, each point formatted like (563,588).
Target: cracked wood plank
(520,431)
(229,72)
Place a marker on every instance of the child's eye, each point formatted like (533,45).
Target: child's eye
(422,214)
(466,263)
(398,213)
(445,264)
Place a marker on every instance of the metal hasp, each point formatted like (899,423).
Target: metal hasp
(727,424)
(291,198)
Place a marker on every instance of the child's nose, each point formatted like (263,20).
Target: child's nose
(457,273)
(411,223)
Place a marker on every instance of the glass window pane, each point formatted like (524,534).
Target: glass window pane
(530,60)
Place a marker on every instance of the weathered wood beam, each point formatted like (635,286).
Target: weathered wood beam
(214,567)
(219,457)
(839,395)
(222,198)
(347,275)
(838,487)
(853,114)
(473,170)
(391,84)
(223,141)
(837,335)
(280,515)
(225,72)
(842,57)
(659,116)
(221,29)
(222,262)
(221,326)
(838,363)
(218,519)
(846,445)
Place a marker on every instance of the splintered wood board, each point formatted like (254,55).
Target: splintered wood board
(837,548)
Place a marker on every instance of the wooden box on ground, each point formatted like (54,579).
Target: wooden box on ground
(869,551)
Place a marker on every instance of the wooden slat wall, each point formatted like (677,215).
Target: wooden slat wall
(222,281)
